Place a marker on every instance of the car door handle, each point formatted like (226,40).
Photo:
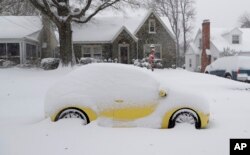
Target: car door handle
(162,93)
(119,101)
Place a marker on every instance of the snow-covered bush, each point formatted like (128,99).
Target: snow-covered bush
(84,61)
(30,63)
(50,63)
(6,63)
(158,63)
(144,63)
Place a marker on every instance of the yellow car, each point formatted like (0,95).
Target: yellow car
(123,96)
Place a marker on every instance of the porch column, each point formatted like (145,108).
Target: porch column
(22,52)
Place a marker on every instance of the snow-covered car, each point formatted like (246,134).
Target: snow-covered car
(231,67)
(123,96)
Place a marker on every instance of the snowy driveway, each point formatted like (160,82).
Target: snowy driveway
(24,131)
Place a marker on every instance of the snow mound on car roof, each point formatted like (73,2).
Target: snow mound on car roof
(99,85)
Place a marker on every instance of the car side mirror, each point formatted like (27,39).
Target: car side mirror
(162,93)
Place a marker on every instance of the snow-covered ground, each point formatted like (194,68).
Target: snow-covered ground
(24,131)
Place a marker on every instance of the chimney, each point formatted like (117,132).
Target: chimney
(205,57)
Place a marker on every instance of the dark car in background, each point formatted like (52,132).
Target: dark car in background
(231,67)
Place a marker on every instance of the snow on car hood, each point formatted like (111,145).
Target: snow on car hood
(98,86)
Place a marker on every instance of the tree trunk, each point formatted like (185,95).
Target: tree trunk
(177,52)
(185,41)
(65,35)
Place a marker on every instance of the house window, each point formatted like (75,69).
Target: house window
(235,39)
(97,52)
(190,63)
(158,53)
(92,52)
(13,49)
(3,53)
(86,52)
(200,43)
(31,51)
(9,50)
(152,26)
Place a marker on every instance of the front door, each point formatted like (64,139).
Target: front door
(124,54)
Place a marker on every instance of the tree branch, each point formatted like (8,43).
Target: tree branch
(82,13)
(98,9)
(56,3)
(45,9)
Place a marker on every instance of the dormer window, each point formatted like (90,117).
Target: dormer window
(235,39)
(152,26)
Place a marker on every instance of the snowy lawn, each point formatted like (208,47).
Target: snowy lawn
(24,131)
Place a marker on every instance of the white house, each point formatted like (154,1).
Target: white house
(25,38)
(220,42)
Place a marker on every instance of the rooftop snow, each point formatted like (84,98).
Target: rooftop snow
(218,39)
(104,29)
(19,26)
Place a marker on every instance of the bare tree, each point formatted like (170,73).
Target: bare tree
(180,14)
(1,6)
(188,15)
(63,13)
(245,20)
(171,9)
(4,5)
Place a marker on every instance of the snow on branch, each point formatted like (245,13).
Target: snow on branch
(105,4)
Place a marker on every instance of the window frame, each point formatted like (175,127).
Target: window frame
(9,53)
(5,51)
(34,54)
(145,54)
(92,51)
(190,63)
(235,41)
(152,22)
(200,43)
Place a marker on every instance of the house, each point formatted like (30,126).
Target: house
(125,38)
(26,38)
(210,44)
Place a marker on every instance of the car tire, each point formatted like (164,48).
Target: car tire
(72,113)
(185,116)
(228,76)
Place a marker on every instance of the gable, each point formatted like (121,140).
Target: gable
(159,23)
(124,30)
(124,36)
(103,29)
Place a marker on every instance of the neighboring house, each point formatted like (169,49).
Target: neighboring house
(125,39)
(209,45)
(24,39)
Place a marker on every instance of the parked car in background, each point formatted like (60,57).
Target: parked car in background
(123,96)
(231,67)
